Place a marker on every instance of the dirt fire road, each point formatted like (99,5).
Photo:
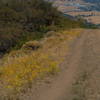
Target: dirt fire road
(80,78)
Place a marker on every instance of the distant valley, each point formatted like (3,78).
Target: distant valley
(87,9)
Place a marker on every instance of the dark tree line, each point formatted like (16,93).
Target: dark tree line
(24,20)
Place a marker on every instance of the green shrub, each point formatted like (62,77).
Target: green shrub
(24,20)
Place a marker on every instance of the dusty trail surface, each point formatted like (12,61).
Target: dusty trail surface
(80,78)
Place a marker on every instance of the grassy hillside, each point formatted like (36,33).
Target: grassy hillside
(21,69)
(24,20)
(23,23)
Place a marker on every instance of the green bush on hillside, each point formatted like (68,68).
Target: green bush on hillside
(24,20)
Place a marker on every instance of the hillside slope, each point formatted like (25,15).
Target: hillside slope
(21,22)
(80,76)
(42,52)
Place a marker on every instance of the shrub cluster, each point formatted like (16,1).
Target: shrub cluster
(21,19)
(24,20)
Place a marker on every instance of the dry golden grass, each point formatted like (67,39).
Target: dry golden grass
(20,70)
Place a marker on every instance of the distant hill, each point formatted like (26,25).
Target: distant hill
(92,1)
(81,5)
(87,9)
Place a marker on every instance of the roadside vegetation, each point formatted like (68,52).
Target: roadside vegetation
(25,20)
(35,34)
(21,68)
